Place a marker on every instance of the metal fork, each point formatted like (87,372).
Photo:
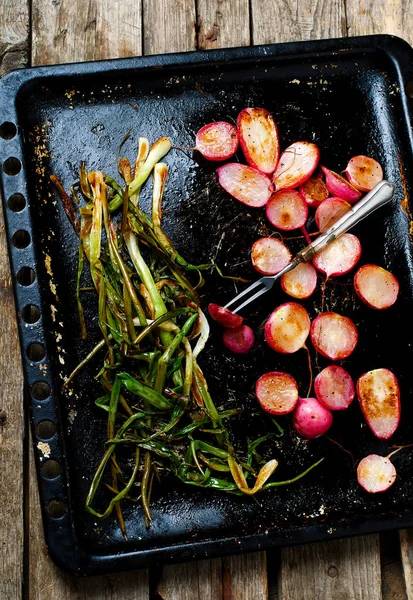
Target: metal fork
(380,195)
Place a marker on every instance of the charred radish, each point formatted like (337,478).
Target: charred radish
(277,393)
(376,473)
(246,184)
(364,173)
(340,187)
(379,398)
(314,191)
(329,212)
(340,256)
(287,328)
(300,282)
(376,287)
(287,210)
(333,335)
(334,388)
(269,256)
(258,135)
(217,141)
(224,316)
(296,165)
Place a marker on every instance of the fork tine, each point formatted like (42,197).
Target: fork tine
(254,297)
(242,294)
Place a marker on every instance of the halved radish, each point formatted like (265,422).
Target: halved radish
(376,473)
(269,256)
(287,210)
(224,316)
(277,393)
(340,256)
(311,419)
(297,164)
(300,282)
(376,287)
(333,335)
(245,184)
(287,328)
(364,173)
(334,388)
(217,141)
(379,397)
(329,212)
(340,187)
(314,191)
(258,135)
(239,339)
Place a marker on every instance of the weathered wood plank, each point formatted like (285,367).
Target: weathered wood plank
(77,30)
(406,549)
(14,52)
(223,23)
(346,569)
(245,577)
(169,26)
(289,20)
(201,580)
(391,16)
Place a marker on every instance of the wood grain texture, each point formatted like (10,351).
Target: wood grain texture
(169,26)
(390,16)
(406,550)
(14,35)
(245,577)
(291,20)
(223,23)
(346,569)
(201,580)
(77,30)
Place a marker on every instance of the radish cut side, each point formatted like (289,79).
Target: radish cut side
(287,328)
(259,138)
(340,256)
(217,141)
(311,419)
(329,212)
(364,173)
(333,335)
(376,473)
(314,191)
(269,256)
(379,397)
(224,316)
(239,340)
(376,287)
(300,282)
(277,393)
(334,388)
(245,184)
(340,187)
(287,210)
(297,164)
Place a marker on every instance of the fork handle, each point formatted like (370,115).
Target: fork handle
(379,196)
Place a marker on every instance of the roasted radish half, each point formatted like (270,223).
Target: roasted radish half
(333,335)
(287,210)
(376,287)
(217,141)
(297,164)
(300,282)
(239,339)
(340,256)
(224,316)
(269,256)
(245,184)
(340,187)
(329,212)
(379,397)
(334,388)
(364,173)
(277,393)
(314,191)
(376,473)
(311,419)
(258,135)
(287,328)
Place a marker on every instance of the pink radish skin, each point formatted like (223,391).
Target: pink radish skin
(379,397)
(300,282)
(329,212)
(334,388)
(258,135)
(269,256)
(340,187)
(333,335)
(297,163)
(287,210)
(217,141)
(376,473)
(239,339)
(245,184)
(277,393)
(287,328)
(376,287)
(224,316)
(364,173)
(311,419)
(340,256)
(314,191)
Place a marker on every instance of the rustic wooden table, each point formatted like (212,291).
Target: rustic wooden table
(58,31)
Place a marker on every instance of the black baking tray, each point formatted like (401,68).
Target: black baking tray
(349,96)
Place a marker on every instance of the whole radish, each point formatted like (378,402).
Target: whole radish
(269,256)
(311,419)
(246,184)
(297,163)
(376,473)
(258,135)
(239,339)
(217,141)
(224,317)
(376,287)
(379,397)
(340,187)
(364,173)
(277,392)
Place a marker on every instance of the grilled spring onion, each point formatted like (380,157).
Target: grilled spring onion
(160,414)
